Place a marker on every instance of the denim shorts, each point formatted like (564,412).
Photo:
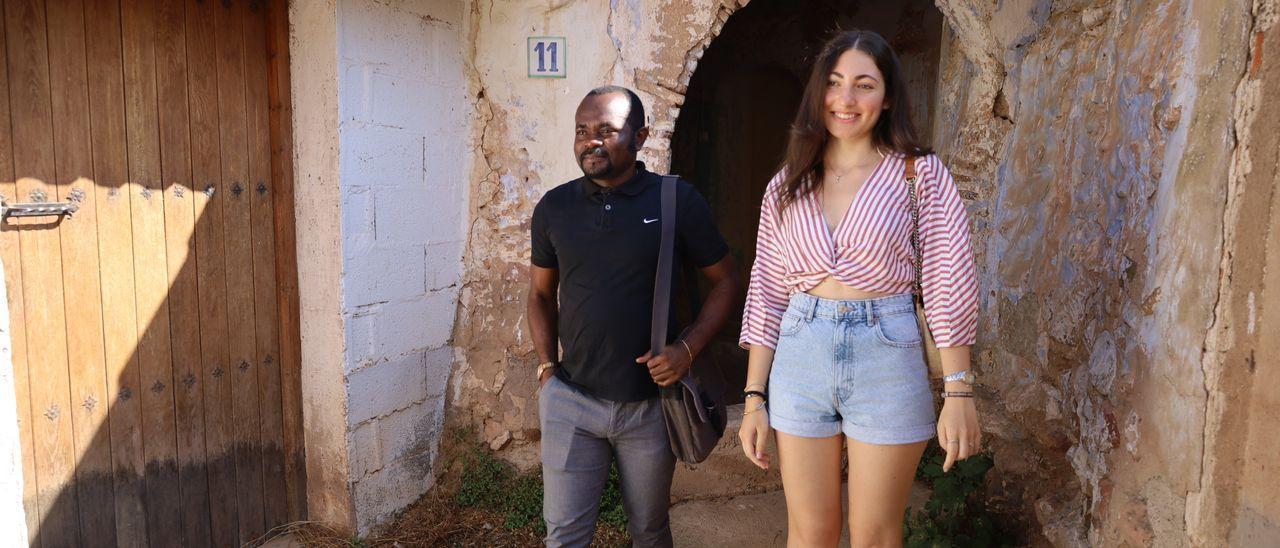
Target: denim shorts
(851,366)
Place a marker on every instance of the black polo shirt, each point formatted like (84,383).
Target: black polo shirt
(605,244)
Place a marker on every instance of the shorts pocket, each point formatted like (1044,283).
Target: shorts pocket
(899,330)
(791,323)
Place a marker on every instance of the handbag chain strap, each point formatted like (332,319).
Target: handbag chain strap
(913,198)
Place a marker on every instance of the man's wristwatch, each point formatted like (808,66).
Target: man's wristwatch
(968,377)
(542,367)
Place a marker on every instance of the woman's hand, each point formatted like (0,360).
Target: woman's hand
(754,434)
(958,430)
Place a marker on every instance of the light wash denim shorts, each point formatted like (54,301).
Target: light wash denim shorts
(851,366)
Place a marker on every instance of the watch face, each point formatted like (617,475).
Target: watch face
(969,377)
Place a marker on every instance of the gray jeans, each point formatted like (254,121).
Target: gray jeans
(581,434)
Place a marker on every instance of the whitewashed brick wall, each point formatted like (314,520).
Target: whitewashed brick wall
(404,122)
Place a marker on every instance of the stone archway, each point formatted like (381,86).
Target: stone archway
(741,96)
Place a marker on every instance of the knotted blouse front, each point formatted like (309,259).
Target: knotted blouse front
(869,250)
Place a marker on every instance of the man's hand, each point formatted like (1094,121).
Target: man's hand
(546,375)
(668,367)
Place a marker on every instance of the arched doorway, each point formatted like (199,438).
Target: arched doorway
(732,128)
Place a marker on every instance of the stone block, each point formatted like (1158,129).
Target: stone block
(378,496)
(377,33)
(398,101)
(411,215)
(411,431)
(357,219)
(380,156)
(443,264)
(364,450)
(383,273)
(385,386)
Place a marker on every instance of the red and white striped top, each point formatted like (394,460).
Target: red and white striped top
(869,250)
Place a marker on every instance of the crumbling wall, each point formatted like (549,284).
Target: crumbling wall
(1092,141)
(1099,219)
(525,134)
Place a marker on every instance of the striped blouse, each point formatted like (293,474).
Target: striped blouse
(869,250)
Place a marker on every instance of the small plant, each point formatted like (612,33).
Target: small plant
(611,511)
(491,483)
(955,514)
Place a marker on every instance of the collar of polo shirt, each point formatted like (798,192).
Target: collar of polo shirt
(632,187)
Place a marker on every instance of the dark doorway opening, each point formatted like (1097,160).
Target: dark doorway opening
(732,128)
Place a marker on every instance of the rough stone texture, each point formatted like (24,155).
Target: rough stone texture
(11,509)
(1101,240)
(1237,499)
(1098,145)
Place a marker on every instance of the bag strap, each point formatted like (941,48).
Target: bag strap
(914,199)
(662,279)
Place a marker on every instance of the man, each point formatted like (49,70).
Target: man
(595,252)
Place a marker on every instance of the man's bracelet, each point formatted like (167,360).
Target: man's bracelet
(686,348)
(542,368)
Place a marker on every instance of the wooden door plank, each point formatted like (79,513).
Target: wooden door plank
(73,170)
(236,214)
(206,164)
(275,506)
(281,127)
(179,233)
(10,255)
(115,247)
(163,502)
(46,344)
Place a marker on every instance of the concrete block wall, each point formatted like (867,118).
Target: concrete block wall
(403,180)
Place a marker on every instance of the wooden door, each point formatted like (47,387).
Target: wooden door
(154,331)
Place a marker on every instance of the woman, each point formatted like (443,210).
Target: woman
(830,323)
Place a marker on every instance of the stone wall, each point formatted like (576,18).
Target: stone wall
(1101,233)
(1093,141)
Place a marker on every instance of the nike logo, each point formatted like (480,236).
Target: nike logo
(647,221)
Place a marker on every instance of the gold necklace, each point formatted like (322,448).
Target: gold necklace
(846,172)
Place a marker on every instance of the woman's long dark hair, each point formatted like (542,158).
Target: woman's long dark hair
(802,167)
